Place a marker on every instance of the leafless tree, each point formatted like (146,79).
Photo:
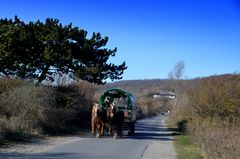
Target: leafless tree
(178,71)
(176,84)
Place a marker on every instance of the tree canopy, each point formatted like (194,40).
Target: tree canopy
(41,50)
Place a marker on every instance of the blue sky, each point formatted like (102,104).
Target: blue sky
(151,35)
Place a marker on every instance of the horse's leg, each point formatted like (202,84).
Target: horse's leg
(102,129)
(120,121)
(93,127)
(98,129)
(120,132)
(111,129)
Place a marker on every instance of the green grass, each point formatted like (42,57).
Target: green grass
(185,149)
(183,145)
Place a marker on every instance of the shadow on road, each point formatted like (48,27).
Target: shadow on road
(153,136)
(147,130)
(152,131)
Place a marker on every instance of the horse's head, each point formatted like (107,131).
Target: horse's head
(113,109)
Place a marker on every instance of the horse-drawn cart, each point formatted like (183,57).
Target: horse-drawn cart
(123,101)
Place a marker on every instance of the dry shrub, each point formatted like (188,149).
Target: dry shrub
(45,109)
(56,120)
(6,84)
(216,138)
(2,128)
(84,99)
(215,125)
(216,97)
(208,109)
(180,109)
(23,107)
(72,107)
(145,103)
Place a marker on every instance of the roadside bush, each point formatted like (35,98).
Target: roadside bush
(181,112)
(72,107)
(2,128)
(216,138)
(208,110)
(216,97)
(7,84)
(23,107)
(45,109)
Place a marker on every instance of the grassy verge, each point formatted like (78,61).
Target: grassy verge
(184,147)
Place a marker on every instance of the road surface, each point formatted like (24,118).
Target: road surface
(151,141)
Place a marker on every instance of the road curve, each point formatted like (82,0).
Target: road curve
(151,141)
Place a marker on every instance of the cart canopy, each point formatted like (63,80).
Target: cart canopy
(119,97)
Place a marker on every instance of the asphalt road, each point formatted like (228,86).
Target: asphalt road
(151,141)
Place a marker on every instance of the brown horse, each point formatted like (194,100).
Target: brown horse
(108,118)
(97,123)
(116,118)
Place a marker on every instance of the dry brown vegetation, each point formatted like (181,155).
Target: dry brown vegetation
(29,109)
(216,138)
(208,110)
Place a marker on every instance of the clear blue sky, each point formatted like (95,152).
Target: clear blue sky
(151,35)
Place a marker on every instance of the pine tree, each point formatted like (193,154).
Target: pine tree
(38,50)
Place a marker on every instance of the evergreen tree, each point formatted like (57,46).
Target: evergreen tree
(38,50)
